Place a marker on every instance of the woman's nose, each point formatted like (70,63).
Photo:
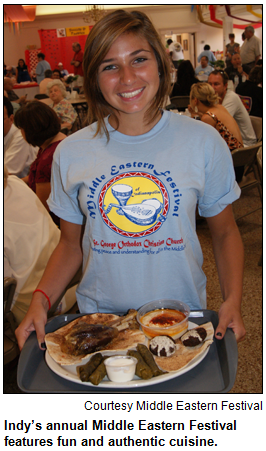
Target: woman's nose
(127,75)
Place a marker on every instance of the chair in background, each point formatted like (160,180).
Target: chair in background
(247,156)
(11,349)
(180,102)
(247,102)
(257,125)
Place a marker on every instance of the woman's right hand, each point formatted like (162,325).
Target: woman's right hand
(35,319)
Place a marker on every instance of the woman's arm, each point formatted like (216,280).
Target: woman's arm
(61,268)
(208,120)
(229,257)
(43,191)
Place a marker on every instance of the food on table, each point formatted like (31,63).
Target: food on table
(149,359)
(98,374)
(194,337)
(126,336)
(120,368)
(162,346)
(185,354)
(142,369)
(84,371)
(86,338)
(164,317)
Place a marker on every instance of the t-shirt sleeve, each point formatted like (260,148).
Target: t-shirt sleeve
(63,200)
(220,188)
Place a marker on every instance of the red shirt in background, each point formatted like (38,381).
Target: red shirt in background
(78,56)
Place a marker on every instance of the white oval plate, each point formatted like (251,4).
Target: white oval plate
(69,372)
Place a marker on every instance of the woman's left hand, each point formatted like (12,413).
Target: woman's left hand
(230,316)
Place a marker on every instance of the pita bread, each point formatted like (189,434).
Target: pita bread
(184,355)
(128,335)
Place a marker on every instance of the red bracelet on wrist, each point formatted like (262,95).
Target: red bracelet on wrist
(49,302)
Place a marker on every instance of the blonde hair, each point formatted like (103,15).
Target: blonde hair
(204,93)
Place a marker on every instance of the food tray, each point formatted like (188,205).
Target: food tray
(215,374)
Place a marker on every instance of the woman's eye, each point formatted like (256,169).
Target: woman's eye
(110,67)
(140,59)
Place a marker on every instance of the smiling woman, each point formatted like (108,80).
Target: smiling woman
(126,79)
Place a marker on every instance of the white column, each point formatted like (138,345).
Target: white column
(227,28)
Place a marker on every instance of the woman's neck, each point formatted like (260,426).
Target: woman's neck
(131,124)
(59,137)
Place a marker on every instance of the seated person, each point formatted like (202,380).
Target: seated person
(204,100)
(12,96)
(185,79)
(22,73)
(63,108)
(236,68)
(252,88)
(18,154)
(203,71)
(30,237)
(48,74)
(63,71)
(40,127)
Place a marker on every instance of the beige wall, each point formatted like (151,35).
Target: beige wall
(170,19)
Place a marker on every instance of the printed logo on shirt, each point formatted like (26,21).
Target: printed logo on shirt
(134,204)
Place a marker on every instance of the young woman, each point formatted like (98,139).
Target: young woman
(126,189)
(22,73)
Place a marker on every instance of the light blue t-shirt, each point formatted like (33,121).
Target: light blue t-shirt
(41,67)
(137,197)
(203,70)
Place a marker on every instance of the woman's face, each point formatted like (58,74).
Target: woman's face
(128,76)
(21,63)
(55,94)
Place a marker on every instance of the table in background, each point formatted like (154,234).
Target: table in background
(31,89)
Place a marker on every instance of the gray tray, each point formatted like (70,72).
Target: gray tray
(215,373)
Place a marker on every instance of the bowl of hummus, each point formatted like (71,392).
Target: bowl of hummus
(164,317)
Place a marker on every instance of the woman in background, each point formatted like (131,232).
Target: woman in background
(40,127)
(185,79)
(22,73)
(63,108)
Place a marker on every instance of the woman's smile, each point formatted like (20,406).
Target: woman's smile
(128,76)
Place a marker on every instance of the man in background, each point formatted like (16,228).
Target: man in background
(175,51)
(12,96)
(203,71)
(41,67)
(231,101)
(77,63)
(18,154)
(47,78)
(250,50)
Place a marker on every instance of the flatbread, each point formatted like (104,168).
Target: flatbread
(184,354)
(128,336)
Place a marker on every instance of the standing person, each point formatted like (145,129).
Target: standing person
(41,67)
(77,61)
(176,52)
(207,52)
(131,157)
(22,73)
(231,49)
(231,101)
(250,50)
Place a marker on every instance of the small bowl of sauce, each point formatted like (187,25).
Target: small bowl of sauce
(120,368)
(164,317)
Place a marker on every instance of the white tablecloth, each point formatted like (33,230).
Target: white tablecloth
(31,91)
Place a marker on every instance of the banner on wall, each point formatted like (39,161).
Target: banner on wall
(76,31)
